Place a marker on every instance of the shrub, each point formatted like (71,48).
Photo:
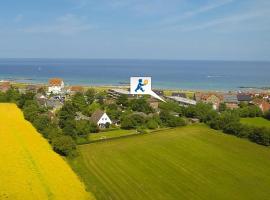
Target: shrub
(152,124)
(64,145)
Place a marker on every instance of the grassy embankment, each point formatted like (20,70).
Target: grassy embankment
(29,168)
(257,122)
(192,162)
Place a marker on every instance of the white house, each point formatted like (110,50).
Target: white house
(56,86)
(100,118)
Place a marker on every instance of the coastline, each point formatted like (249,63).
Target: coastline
(167,91)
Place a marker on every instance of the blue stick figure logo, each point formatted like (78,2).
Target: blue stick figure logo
(141,84)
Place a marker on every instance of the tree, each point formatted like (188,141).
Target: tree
(152,124)
(222,107)
(70,128)
(140,105)
(127,123)
(64,145)
(113,111)
(92,108)
(170,120)
(41,122)
(79,101)
(67,112)
(83,128)
(122,100)
(171,106)
(90,95)
(267,115)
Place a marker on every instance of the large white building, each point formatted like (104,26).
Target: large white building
(56,86)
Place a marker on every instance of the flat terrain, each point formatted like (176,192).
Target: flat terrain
(192,162)
(257,121)
(111,134)
(29,168)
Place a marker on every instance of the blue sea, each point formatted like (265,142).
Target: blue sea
(172,74)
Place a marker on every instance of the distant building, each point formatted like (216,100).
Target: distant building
(179,94)
(241,97)
(262,104)
(100,118)
(75,89)
(56,86)
(154,103)
(5,86)
(211,98)
(115,93)
(41,99)
(182,101)
(159,92)
(231,101)
(53,104)
(31,88)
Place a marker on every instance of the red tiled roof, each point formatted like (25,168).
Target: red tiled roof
(76,88)
(55,82)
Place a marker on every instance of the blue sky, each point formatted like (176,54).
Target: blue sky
(155,29)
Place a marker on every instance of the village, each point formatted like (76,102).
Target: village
(72,115)
(56,93)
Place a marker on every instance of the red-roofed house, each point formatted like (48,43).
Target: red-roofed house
(56,86)
(4,86)
(262,104)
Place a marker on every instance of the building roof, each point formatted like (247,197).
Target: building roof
(120,91)
(179,94)
(244,97)
(76,88)
(264,105)
(183,100)
(230,98)
(95,117)
(204,96)
(55,82)
(4,86)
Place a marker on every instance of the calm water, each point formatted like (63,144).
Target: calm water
(214,75)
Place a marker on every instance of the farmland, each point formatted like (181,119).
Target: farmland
(29,167)
(257,122)
(192,162)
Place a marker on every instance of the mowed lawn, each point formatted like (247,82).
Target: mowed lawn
(257,121)
(192,162)
(29,168)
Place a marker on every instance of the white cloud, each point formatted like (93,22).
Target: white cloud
(234,19)
(195,12)
(66,25)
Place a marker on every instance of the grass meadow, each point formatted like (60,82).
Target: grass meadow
(192,162)
(257,121)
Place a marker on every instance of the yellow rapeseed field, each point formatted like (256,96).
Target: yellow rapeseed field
(29,168)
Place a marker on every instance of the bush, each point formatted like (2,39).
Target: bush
(152,124)
(267,115)
(64,145)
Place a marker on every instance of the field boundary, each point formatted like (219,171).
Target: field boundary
(121,137)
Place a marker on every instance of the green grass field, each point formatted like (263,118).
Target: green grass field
(257,121)
(110,134)
(192,162)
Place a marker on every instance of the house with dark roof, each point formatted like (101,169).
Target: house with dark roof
(100,118)
(179,94)
(231,101)
(241,97)
(159,92)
